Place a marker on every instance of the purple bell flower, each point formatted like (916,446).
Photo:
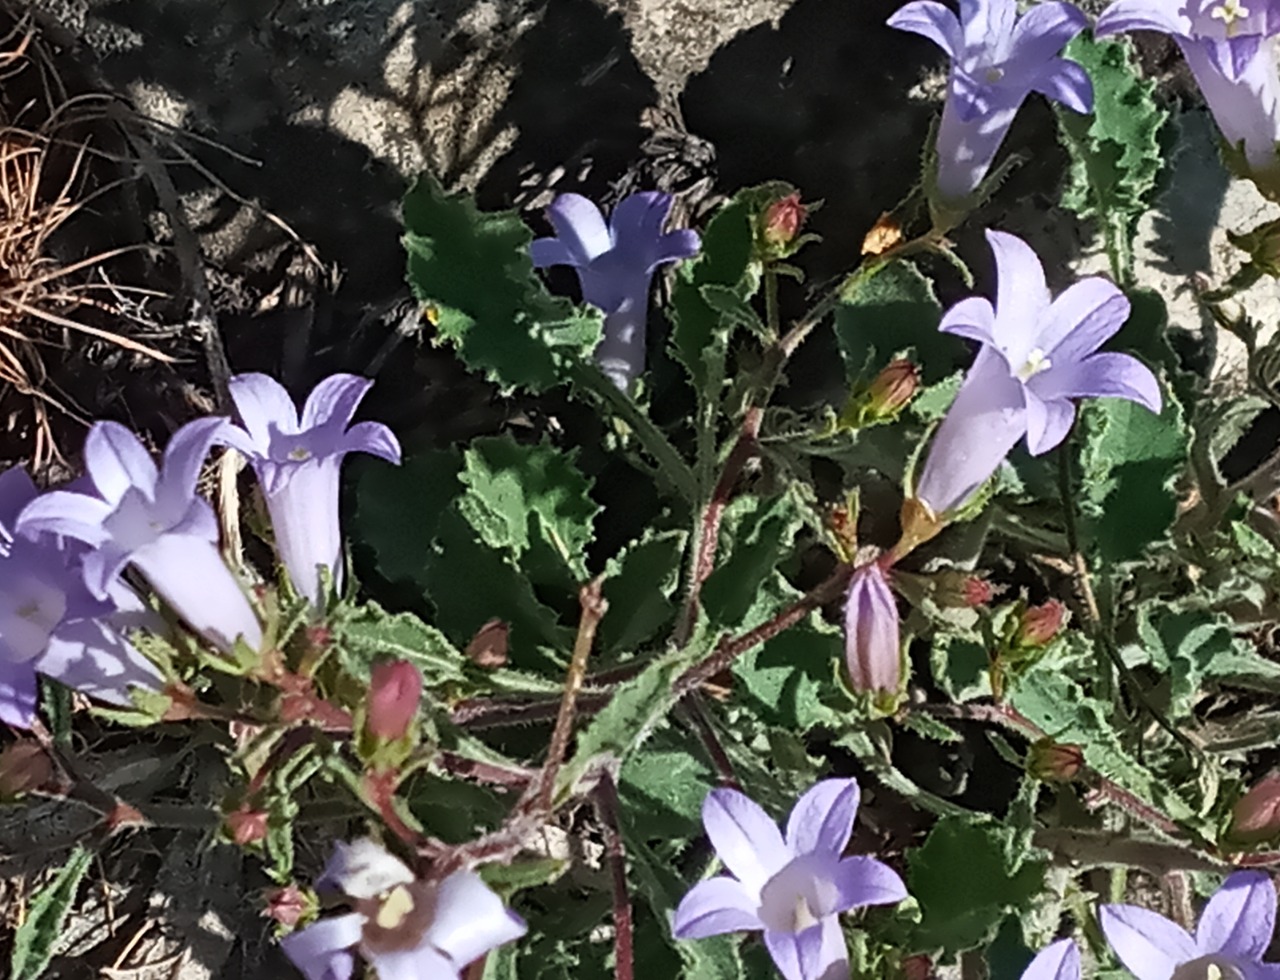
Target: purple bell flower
(997,60)
(1227,45)
(1234,932)
(404,928)
(615,264)
(298,463)
(1037,355)
(1057,961)
(792,887)
(51,625)
(872,646)
(155,521)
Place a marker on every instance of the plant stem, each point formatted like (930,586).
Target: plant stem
(607,810)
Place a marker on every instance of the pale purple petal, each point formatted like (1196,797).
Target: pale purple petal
(683,243)
(1233,55)
(872,646)
(16,491)
(1143,15)
(72,515)
(865,881)
(817,953)
(18,693)
(1149,945)
(362,869)
(1044,30)
(931,20)
(264,407)
(191,577)
(320,950)
(822,819)
(117,460)
(748,842)
(1048,422)
(1106,375)
(470,919)
(302,499)
(984,422)
(373,438)
(714,907)
(1062,80)
(94,659)
(102,568)
(635,227)
(1057,961)
(1081,319)
(1022,297)
(1247,108)
(966,147)
(973,318)
(333,402)
(580,225)
(1259,971)
(183,459)
(423,963)
(987,22)
(1240,918)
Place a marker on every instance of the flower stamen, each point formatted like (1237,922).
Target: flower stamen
(1230,12)
(1037,363)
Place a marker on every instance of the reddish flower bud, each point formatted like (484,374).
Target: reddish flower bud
(892,389)
(24,766)
(1040,624)
(1054,763)
(783,220)
(977,591)
(245,826)
(285,905)
(488,648)
(918,967)
(1256,815)
(394,694)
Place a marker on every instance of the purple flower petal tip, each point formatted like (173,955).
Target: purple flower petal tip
(1057,961)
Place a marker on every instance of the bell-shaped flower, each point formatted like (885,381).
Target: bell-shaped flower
(51,625)
(1037,355)
(298,463)
(1057,961)
(155,521)
(872,647)
(997,60)
(1227,45)
(793,887)
(615,264)
(1233,934)
(404,928)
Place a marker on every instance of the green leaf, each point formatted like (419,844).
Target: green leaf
(784,680)
(373,633)
(756,534)
(1115,152)
(531,503)
(966,885)
(713,958)
(638,588)
(667,784)
(35,941)
(1130,460)
(890,311)
(398,510)
(472,273)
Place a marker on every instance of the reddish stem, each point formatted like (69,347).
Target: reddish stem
(607,809)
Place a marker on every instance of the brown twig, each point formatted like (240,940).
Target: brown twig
(476,714)
(695,712)
(607,811)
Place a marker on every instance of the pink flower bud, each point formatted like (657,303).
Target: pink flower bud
(285,905)
(1054,763)
(977,591)
(245,826)
(1256,816)
(394,694)
(782,221)
(918,967)
(892,388)
(1040,624)
(872,647)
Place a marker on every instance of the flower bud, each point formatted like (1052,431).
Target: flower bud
(286,905)
(488,648)
(977,591)
(245,826)
(24,766)
(1040,624)
(872,646)
(782,221)
(394,694)
(1054,763)
(918,967)
(1256,815)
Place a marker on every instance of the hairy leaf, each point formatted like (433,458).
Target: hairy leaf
(37,938)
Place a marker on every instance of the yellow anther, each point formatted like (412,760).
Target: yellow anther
(1230,12)
(394,908)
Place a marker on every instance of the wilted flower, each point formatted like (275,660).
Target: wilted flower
(1057,961)
(997,60)
(403,927)
(615,264)
(1234,932)
(1227,45)
(155,521)
(49,622)
(1256,815)
(794,887)
(1036,356)
(872,647)
(297,462)
(394,692)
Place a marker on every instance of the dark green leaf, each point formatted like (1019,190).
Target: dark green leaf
(36,940)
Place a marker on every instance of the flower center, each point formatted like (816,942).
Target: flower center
(994,75)
(394,908)
(1036,363)
(797,897)
(1208,968)
(397,919)
(36,612)
(1230,12)
(299,454)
